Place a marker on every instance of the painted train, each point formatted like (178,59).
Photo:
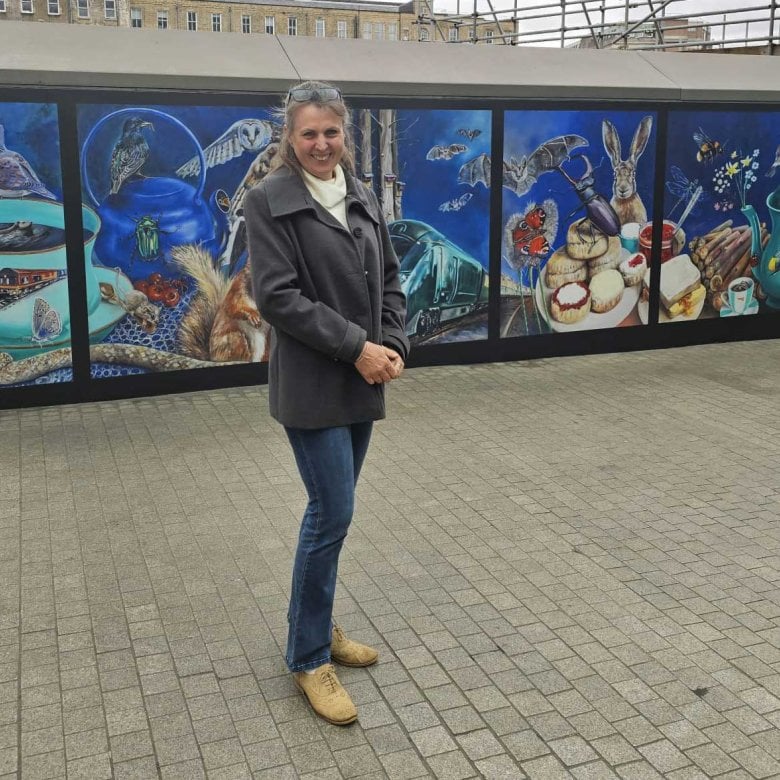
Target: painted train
(442,283)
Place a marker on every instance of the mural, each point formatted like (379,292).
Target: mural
(169,261)
(34,308)
(720,179)
(577,218)
(438,214)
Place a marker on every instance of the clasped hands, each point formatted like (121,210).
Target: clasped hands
(378,364)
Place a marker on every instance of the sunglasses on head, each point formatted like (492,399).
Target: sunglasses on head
(309,94)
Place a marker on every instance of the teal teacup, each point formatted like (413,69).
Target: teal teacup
(34,267)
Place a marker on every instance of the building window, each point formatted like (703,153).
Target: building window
(379,31)
(488,36)
(424,34)
(246,23)
(83,9)
(453,34)
(2,6)
(192,20)
(406,34)
(319,28)
(136,17)
(54,7)
(367,30)
(216,22)
(270,25)
(27,6)
(162,20)
(341,29)
(292,25)
(109,9)
(392,31)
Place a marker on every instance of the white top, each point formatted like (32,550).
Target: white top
(330,194)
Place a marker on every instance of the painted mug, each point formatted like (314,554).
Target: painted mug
(739,295)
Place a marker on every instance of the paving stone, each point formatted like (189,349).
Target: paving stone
(403,765)
(136,769)
(451,766)
(501,767)
(433,740)
(388,739)
(480,744)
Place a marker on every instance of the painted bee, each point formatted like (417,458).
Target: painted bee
(708,148)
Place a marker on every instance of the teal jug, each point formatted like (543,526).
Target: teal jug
(767,263)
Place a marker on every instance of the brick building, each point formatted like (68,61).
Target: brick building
(372,19)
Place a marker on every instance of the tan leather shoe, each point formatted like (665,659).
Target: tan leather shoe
(326,695)
(348,653)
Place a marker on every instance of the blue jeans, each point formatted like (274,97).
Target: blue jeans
(329,460)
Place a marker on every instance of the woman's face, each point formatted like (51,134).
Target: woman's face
(317,138)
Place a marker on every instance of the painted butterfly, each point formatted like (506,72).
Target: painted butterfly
(46,322)
(528,236)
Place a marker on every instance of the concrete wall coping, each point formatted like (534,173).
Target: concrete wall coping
(81,56)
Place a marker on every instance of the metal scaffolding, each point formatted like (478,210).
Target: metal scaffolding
(631,24)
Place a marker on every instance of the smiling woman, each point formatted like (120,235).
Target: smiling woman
(326,278)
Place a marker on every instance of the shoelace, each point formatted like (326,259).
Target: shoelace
(338,634)
(329,679)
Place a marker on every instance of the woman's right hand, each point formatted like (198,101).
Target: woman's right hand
(375,365)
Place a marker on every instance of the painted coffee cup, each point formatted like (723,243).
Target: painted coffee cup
(739,295)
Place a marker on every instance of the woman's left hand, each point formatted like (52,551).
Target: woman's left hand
(396,360)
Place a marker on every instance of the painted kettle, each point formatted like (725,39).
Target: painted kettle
(767,268)
(148,216)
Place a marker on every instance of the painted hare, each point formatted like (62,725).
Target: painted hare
(625,199)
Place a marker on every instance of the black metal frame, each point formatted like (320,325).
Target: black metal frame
(494,348)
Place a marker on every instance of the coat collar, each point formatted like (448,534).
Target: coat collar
(287,194)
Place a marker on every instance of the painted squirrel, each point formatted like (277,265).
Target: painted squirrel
(222,323)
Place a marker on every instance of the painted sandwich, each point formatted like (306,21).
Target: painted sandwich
(681,290)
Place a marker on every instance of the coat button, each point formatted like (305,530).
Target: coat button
(357,232)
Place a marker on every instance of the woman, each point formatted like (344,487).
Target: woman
(325,277)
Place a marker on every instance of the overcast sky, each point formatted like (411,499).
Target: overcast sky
(758,20)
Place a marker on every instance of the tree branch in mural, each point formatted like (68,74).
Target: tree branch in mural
(26,369)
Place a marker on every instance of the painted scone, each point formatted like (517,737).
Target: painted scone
(610,259)
(584,241)
(570,303)
(633,269)
(606,290)
(561,269)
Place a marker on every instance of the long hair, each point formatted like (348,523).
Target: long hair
(286,114)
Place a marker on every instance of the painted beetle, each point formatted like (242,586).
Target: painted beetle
(597,207)
(147,237)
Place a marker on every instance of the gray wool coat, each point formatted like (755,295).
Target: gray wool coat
(325,290)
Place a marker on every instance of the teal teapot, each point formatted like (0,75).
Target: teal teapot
(767,269)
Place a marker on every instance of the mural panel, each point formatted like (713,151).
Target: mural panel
(169,263)
(720,180)
(34,310)
(420,164)
(577,215)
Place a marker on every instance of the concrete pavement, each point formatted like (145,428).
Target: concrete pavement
(570,566)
